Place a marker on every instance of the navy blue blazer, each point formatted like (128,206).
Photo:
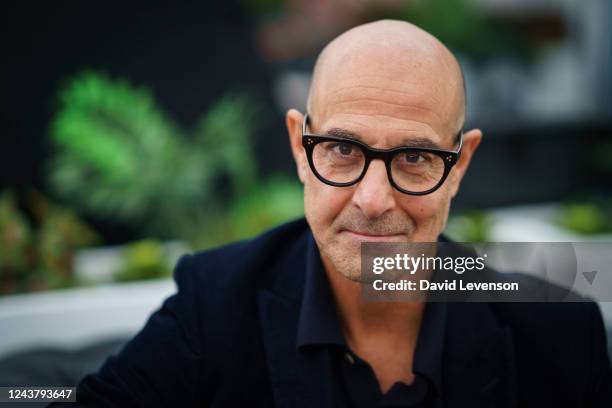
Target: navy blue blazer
(228,338)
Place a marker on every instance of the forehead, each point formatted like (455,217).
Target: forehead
(387,99)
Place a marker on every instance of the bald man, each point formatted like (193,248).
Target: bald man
(280,321)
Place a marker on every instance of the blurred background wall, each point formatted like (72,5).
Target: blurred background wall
(538,75)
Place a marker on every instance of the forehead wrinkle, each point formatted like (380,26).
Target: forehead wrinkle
(429,133)
(386,117)
(414,96)
(378,89)
(401,106)
(399,111)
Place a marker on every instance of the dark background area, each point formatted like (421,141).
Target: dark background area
(188,54)
(191,54)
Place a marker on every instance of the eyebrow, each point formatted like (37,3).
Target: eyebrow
(417,141)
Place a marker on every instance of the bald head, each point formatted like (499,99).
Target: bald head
(395,65)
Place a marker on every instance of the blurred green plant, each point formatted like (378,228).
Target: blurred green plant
(259,8)
(461,25)
(144,260)
(119,157)
(37,245)
(586,217)
(469,226)
(270,203)
(15,244)
(60,233)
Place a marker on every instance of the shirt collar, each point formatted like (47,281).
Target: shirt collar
(319,323)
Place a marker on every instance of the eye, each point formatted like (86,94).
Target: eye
(344,149)
(414,158)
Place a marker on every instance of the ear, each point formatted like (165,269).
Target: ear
(294,120)
(471,140)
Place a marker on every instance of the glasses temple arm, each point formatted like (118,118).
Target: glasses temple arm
(304,123)
(458,151)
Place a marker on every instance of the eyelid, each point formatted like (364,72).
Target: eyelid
(357,150)
(422,155)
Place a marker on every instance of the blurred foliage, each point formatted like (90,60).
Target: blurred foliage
(260,8)
(37,244)
(469,226)
(594,217)
(144,260)
(119,157)
(270,203)
(15,237)
(460,25)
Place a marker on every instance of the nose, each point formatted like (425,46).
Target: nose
(374,193)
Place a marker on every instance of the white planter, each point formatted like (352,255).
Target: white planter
(70,318)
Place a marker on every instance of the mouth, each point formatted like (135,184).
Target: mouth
(371,237)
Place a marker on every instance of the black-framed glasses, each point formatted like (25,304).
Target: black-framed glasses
(343,162)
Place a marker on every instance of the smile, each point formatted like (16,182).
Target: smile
(369,237)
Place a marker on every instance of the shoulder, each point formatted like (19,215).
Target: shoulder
(549,323)
(546,323)
(568,335)
(217,289)
(554,342)
(551,308)
(547,318)
(265,244)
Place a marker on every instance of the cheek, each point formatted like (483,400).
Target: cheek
(322,203)
(429,212)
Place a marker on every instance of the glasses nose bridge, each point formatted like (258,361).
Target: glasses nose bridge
(376,154)
(384,156)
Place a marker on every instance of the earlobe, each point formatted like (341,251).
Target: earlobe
(455,182)
(302,172)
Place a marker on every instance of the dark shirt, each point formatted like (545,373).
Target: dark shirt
(355,384)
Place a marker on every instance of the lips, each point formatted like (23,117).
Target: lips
(373,237)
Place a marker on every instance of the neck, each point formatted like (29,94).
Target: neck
(372,322)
